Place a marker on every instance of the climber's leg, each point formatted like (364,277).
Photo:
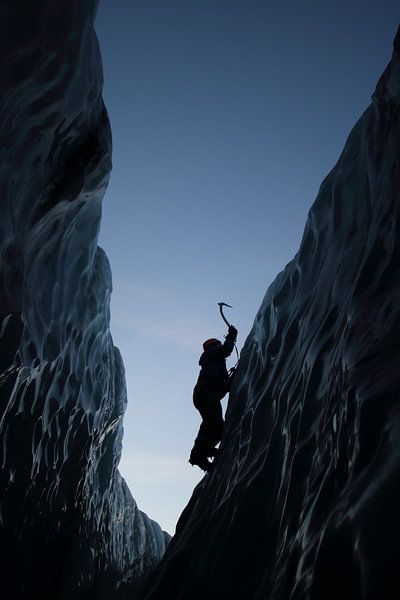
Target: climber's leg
(208,403)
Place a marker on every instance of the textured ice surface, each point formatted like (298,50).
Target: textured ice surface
(304,499)
(69,527)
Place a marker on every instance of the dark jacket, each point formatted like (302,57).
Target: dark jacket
(213,364)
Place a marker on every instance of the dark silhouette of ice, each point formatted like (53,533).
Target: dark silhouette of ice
(303,502)
(69,527)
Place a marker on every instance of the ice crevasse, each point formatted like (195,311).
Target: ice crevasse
(302,503)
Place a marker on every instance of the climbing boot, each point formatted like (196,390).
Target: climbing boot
(212,452)
(199,458)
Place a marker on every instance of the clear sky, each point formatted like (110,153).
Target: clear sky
(226,116)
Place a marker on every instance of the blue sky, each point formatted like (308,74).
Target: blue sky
(226,116)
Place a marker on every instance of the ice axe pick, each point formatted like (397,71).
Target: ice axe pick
(221,304)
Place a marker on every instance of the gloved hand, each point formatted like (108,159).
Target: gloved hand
(232,332)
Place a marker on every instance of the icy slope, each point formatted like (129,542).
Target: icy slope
(304,500)
(69,527)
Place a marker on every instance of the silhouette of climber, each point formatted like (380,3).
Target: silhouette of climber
(211,387)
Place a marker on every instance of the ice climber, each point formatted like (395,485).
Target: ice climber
(212,385)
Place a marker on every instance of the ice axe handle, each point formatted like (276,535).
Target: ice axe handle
(221,304)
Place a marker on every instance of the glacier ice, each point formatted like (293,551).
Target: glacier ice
(69,527)
(303,501)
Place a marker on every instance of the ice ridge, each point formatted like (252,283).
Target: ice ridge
(69,527)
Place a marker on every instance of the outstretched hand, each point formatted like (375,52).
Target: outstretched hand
(232,332)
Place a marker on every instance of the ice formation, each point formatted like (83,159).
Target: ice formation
(69,527)
(303,501)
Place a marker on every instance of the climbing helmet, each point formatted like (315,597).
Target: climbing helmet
(210,342)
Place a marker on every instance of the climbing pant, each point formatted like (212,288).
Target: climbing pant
(207,399)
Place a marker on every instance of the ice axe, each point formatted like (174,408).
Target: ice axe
(221,305)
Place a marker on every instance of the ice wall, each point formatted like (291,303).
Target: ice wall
(69,527)
(303,501)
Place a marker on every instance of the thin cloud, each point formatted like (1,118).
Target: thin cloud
(184,335)
(157,312)
(155,469)
(142,293)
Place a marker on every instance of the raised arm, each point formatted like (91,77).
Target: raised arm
(224,350)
